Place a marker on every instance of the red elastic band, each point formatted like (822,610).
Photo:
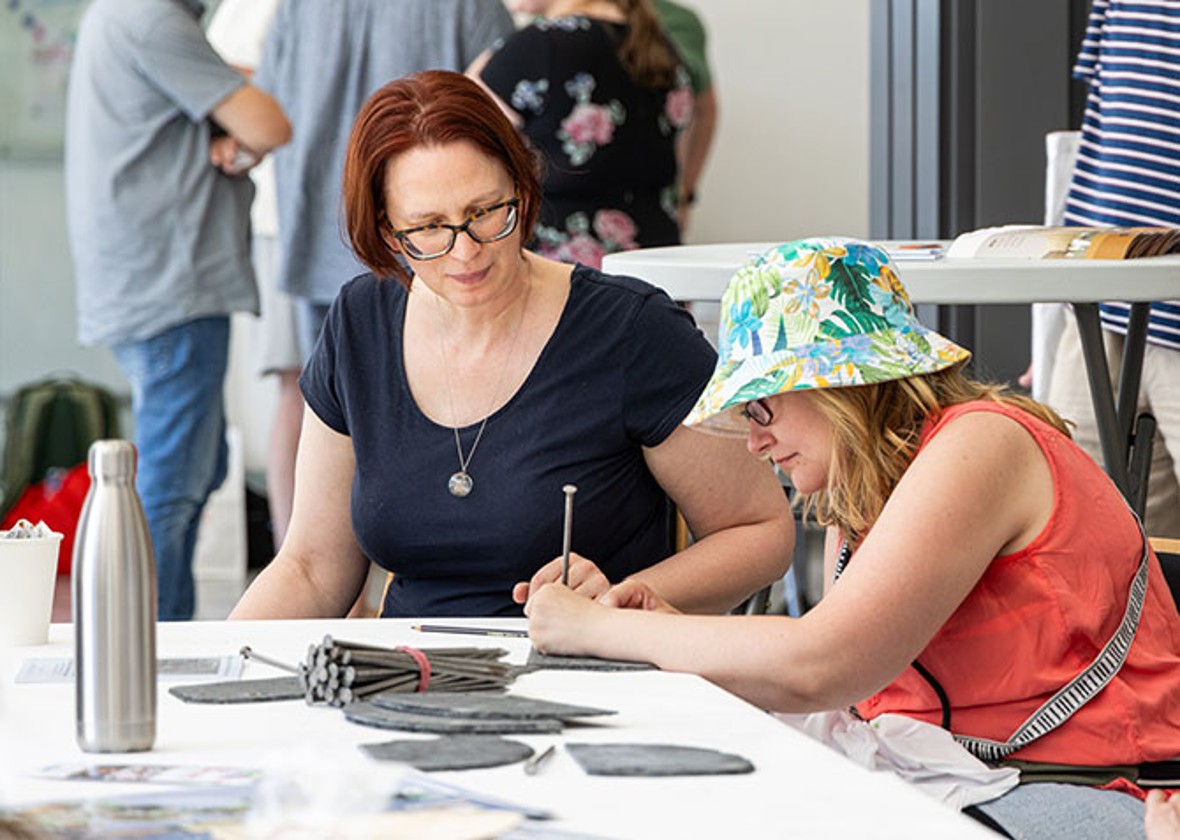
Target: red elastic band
(423,666)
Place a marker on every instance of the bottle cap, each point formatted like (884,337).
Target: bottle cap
(112,460)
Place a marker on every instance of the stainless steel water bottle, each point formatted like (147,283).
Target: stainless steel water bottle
(114,598)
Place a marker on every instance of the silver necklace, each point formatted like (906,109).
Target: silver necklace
(461,483)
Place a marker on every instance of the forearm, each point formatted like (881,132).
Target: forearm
(724,568)
(762,659)
(254,119)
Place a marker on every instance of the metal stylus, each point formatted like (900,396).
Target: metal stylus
(567,532)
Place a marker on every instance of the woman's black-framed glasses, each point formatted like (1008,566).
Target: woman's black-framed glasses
(488,224)
(758,411)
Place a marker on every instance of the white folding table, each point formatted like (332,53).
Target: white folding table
(799,788)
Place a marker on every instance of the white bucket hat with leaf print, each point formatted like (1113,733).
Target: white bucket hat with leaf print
(815,313)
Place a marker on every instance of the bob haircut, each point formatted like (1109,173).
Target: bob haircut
(431,108)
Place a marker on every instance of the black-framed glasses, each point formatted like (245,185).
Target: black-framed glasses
(758,411)
(488,224)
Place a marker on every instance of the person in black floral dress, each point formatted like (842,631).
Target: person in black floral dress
(602,95)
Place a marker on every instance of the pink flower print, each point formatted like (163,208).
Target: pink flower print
(582,248)
(678,106)
(615,226)
(589,123)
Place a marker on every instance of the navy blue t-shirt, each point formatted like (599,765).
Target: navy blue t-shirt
(620,372)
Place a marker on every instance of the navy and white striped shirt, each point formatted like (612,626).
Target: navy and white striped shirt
(1128,166)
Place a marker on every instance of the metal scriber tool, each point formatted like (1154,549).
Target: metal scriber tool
(534,764)
(567,532)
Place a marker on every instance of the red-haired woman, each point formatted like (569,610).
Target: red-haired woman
(458,387)
(597,87)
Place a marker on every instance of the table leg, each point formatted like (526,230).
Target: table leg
(1126,440)
(1112,437)
(1140,431)
(1139,470)
(1132,368)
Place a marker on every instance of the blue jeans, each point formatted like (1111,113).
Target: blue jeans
(1051,811)
(177,378)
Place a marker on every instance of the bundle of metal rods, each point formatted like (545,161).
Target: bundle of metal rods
(337,672)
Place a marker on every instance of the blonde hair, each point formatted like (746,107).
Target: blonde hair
(646,53)
(876,430)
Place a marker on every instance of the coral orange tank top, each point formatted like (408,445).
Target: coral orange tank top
(1039,616)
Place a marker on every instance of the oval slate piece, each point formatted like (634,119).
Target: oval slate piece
(655,760)
(541,661)
(481,704)
(451,752)
(368,714)
(240,691)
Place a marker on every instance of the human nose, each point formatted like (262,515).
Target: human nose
(466,246)
(758,439)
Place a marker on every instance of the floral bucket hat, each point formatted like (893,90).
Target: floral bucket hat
(815,313)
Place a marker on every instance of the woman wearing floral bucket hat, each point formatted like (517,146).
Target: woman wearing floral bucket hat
(977,560)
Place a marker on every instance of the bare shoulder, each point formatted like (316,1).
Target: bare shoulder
(985,434)
(982,457)
(984,460)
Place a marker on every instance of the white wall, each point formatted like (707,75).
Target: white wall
(37,314)
(790,159)
(791,153)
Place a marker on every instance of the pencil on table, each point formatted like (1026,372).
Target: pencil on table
(504,632)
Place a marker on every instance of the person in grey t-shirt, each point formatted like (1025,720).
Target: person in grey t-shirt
(159,134)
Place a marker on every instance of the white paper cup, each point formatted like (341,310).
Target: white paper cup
(28,568)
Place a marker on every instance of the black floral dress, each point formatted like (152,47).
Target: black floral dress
(608,144)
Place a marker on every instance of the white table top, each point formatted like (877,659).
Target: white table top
(800,788)
(701,272)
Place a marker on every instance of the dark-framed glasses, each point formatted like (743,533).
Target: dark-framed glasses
(488,224)
(758,411)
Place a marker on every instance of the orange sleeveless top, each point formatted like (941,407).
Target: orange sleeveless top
(1039,616)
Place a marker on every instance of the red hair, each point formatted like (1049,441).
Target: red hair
(431,108)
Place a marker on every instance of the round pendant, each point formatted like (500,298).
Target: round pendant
(460,484)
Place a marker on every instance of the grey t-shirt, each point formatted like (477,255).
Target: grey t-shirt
(322,60)
(159,235)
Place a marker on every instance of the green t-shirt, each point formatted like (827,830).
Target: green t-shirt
(687,32)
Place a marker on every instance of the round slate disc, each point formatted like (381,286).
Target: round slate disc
(655,760)
(369,714)
(451,752)
(481,704)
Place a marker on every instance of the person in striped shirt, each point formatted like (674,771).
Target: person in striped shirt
(1128,174)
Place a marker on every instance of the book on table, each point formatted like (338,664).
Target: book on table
(914,251)
(1041,242)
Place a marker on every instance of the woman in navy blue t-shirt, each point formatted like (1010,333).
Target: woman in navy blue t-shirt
(458,387)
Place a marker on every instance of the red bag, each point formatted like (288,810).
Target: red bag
(57,501)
